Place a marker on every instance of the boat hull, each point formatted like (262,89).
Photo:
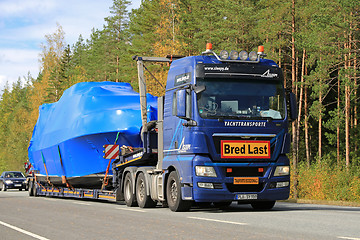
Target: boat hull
(69,135)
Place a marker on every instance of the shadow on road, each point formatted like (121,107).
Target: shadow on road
(279,207)
(210,208)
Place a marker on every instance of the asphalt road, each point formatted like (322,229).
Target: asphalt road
(24,217)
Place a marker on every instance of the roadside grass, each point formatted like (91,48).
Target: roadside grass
(327,184)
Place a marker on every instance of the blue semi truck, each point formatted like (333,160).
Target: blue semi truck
(221,136)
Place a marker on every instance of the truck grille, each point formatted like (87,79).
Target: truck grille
(245,171)
(245,188)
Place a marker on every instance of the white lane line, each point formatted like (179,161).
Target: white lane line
(349,238)
(23,231)
(130,209)
(216,220)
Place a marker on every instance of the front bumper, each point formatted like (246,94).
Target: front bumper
(216,195)
(15,185)
(269,187)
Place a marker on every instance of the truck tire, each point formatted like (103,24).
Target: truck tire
(129,196)
(173,194)
(30,188)
(265,205)
(142,198)
(34,190)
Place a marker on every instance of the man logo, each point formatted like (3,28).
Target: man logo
(267,74)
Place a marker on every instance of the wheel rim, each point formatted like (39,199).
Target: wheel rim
(173,191)
(141,190)
(127,190)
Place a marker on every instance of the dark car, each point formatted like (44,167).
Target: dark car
(12,180)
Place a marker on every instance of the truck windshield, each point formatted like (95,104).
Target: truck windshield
(241,99)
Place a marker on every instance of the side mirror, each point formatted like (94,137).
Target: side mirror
(181,103)
(293,107)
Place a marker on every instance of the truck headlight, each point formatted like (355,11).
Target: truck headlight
(205,185)
(282,184)
(282,171)
(204,171)
(8,182)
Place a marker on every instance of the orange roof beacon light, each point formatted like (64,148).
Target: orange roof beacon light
(261,52)
(260,49)
(208,49)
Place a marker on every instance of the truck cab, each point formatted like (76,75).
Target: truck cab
(225,130)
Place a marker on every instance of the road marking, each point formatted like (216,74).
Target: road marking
(349,238)
(130,209)
(216,220)
(23,231)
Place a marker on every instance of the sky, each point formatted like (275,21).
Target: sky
(24,24)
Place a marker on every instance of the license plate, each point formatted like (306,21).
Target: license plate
(18,185)
(246,197)
(246,180)
(245,149)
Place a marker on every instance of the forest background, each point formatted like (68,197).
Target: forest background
(316,43)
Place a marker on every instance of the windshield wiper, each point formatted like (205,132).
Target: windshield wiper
(269,119)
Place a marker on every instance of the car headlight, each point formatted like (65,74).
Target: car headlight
(204,171)
(8,181)
(282,171)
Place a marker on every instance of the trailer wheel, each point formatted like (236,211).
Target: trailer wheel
(34,189)
(266,205)
(129,196)
(30,188)
(142,198)
(173,194)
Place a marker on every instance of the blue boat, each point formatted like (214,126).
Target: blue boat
(69,135)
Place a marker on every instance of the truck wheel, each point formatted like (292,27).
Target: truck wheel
(266,205)
(142,198)
(129,196)
(173,194)
(30,188)
(34,190)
